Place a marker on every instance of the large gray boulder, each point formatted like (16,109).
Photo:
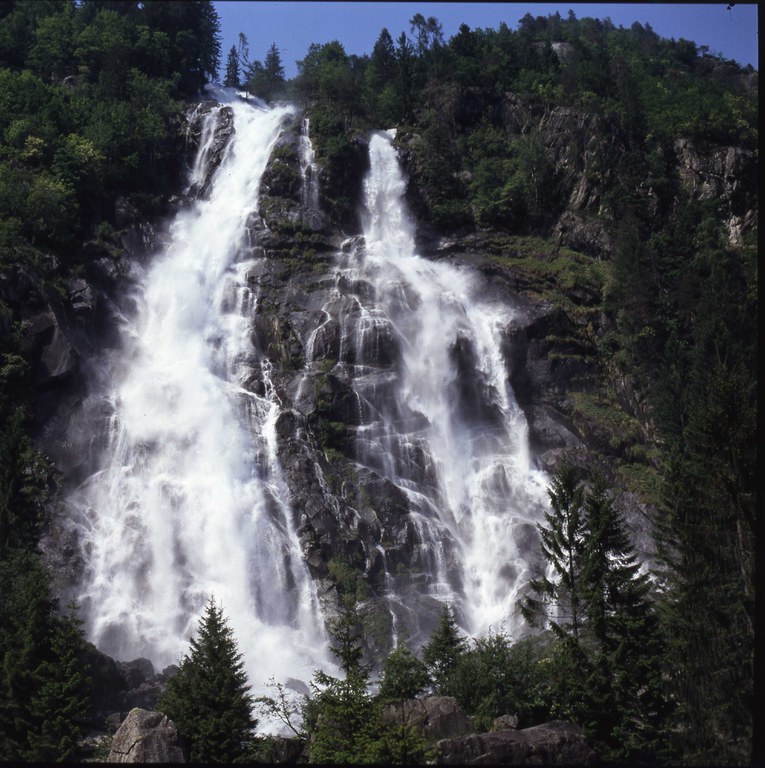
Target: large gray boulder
(435,717)
(554,743)
(146,737)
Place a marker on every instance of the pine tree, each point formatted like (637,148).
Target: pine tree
(341,716)
(443,651)
(232,69)
(562,545)
(208,699)
(61,695)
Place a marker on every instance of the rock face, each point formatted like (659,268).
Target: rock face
(555,743)
(434,717)
(146,737)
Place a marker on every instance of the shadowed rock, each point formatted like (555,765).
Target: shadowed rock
(554,743)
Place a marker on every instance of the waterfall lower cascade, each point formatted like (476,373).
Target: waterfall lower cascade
(188,501)
(421,346)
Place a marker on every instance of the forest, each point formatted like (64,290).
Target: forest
(656,667)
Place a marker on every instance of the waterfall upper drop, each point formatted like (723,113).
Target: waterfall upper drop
(188,500)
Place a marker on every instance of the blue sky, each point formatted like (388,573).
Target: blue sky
(293,26)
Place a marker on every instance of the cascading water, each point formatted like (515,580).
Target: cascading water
(189,501)
(421,347)
(197,489)
(309,169)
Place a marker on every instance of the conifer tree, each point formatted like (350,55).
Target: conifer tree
(208,699)
(443,651)
(232,69)
(341,716)
(61,695)
(562,546)
(404,676)
(607,661)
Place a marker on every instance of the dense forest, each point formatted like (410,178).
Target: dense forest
(655,669)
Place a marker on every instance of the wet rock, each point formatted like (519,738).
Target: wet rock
(147,737)
(224,129)
(286,751)
(53,355)
(136,672)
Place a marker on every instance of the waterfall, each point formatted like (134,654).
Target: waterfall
(188,500)
(183,496)
(308,168)
(421,345)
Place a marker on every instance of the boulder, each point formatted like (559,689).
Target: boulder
(54,356)
(554,743)
(435,717)
(146,737)
(504,723)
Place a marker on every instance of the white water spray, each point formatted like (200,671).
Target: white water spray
(190,502)
(447,429)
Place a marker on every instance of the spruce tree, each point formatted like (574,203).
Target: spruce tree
(60,698)
(607,668)
(208,699)
(341,717)
(231,79)
(563,540)
(443,651)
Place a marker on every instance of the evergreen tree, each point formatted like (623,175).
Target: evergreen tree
(232,69)
(208,699)
(607,670)
(404,676)
(563,540)
(266,78)
(443,651)
(61,696)
(341,716)
(43,687)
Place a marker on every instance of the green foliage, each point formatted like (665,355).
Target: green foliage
(404,676)
(563,543)
(266,79)
(231,79)
(341,716)
(208,699)
(62,694)
(44,688)
(606,671)
(443,652)
(496,677)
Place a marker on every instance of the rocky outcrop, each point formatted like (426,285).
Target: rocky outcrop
(147,737)
(195,136)
(554,743)
(434,717)
(725,174)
